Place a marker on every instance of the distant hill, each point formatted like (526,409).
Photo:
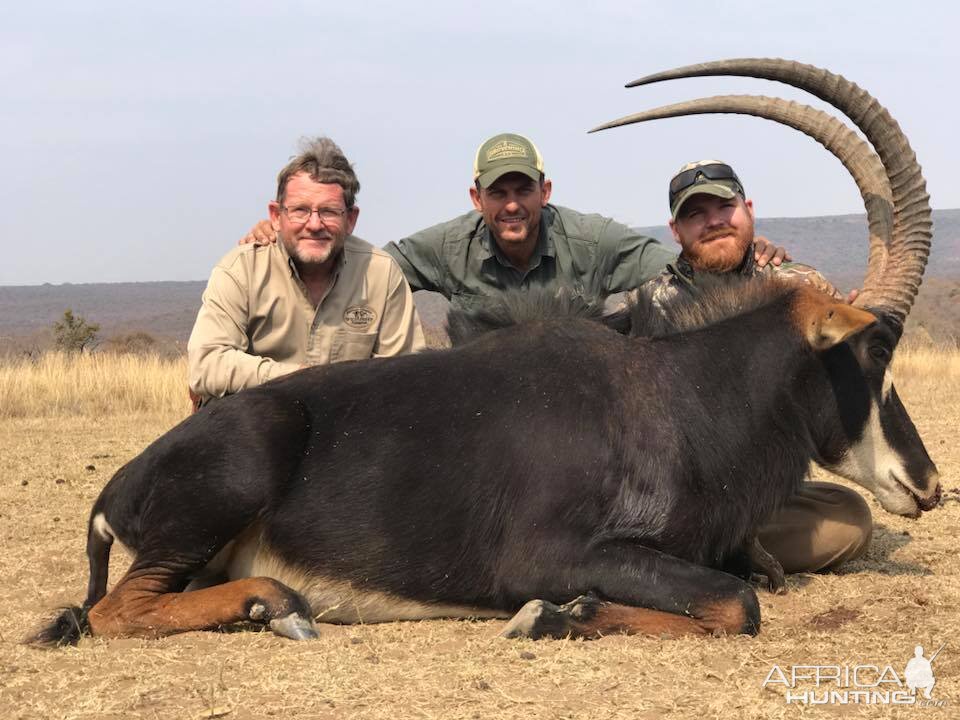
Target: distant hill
(835,244)
(162,308)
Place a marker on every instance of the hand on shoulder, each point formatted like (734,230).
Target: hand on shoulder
(262,234)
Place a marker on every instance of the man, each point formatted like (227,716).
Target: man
(514,238)
(712,220)
(713,223)
(319,295)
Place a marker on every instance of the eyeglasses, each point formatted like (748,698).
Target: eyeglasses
(715,171)
(301,215)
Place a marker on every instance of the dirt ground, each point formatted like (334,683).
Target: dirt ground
(905,592)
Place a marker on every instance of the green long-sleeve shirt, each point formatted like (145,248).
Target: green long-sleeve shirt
(586,252)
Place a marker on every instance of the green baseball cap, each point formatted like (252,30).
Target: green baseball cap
(704,177)
(506,153)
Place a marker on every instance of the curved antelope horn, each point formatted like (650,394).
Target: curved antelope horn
(893,283)
(855,153)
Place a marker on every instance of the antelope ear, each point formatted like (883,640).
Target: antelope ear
(825,322)
(835,323)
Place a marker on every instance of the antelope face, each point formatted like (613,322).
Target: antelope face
(872,439)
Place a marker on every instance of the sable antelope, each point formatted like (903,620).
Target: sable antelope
(555,461)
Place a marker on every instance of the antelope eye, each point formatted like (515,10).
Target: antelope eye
(880,353)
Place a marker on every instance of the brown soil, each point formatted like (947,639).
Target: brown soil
(905,592)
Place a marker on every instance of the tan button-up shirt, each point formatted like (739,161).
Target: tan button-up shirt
(257,322)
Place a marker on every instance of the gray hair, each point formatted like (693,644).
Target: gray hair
(325,162)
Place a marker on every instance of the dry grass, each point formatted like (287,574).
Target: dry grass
(92,385)
(927,369)
(906,591)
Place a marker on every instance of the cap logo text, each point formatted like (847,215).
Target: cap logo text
(506,149)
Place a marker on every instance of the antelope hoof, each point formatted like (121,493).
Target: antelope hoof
(540,618)
(536,619)
(295,627)
(767,564)
(776,581)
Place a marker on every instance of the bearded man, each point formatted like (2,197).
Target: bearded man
(824,524)
(712,221)
(319,295)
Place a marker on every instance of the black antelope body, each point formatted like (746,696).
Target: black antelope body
(555,461)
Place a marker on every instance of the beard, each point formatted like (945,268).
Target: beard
(311,255)
(709,255)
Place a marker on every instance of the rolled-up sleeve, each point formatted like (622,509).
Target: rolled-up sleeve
(631,258)
(419,258)
(217,359)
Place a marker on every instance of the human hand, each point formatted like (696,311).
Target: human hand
(765,252)
(262,234)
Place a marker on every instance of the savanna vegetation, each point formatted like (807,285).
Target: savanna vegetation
(68,421)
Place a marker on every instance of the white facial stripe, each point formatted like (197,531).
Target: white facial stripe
(335,600)
(873,463)
(887,386)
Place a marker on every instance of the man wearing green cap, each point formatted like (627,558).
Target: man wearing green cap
(824,524)
(515,238)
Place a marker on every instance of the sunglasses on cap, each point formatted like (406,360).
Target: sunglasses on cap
(715,171)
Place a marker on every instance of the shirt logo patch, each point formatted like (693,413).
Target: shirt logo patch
(506,149)
(359,317)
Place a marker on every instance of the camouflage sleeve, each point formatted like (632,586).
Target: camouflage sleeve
(658,290)
(661,290)
(807,274)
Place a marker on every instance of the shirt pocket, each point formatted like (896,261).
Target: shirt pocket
(348,345)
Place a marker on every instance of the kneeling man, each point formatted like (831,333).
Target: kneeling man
(319,295)
(825,524)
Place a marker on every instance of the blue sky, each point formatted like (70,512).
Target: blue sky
(139,141)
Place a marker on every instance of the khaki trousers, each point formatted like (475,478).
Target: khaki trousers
(819,528)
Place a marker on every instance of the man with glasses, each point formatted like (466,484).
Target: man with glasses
(824,524)
(319,295)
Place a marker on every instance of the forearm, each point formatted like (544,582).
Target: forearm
(219,357)
(634,259)
(419,263)
(215,371)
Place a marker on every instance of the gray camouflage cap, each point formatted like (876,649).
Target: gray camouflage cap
(704,177)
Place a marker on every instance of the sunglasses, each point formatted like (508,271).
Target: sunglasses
(716,171)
